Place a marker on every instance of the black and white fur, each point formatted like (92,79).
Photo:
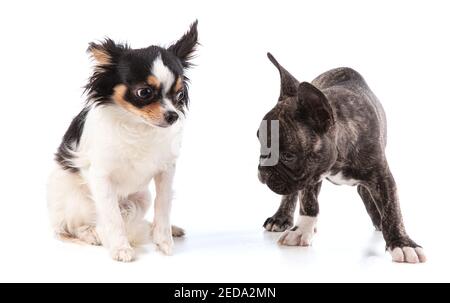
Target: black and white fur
(127,135)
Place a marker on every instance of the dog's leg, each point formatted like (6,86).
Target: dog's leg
(162,231)
(370,205)
(284,217)
(71,209)
(384,192)
(110,224)
(303,231)
(133,209)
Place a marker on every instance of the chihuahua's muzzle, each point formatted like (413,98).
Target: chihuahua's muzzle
(171,117)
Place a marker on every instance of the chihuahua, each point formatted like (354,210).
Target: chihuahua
(127,135)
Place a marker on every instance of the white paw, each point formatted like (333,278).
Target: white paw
(123,254)
(88,235)
(408,254)
(162,237)
(296,238)
(301,234)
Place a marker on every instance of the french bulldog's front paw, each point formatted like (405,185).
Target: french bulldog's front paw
(162,237)
(301,234)
(406,250)
(408,254)
(296,237)
(123,254)
(278,223)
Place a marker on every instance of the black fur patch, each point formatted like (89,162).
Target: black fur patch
(71,140)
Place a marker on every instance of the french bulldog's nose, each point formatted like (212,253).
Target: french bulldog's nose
(171,117)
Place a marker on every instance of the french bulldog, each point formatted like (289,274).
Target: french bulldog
(333,128)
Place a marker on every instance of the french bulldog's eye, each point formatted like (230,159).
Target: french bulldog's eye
(288,157)
(144,93)
(180,96)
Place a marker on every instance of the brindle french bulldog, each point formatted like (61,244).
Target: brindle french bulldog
(333,128)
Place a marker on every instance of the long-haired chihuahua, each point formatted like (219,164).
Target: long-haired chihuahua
(126,135)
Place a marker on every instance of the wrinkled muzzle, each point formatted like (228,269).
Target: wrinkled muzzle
(276,182)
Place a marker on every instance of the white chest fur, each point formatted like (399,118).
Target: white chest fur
(339,179)
(129,152)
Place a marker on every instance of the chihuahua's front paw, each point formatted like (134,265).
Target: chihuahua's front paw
(123,254)
(301,234)
(278,222)
(407,251)
(162,237)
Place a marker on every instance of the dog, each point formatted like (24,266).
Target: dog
(127,135)
(333,128)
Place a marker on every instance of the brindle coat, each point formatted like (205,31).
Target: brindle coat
(333,127)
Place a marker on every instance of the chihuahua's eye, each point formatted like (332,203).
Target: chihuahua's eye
(288,157)
(180,96)
(144,93)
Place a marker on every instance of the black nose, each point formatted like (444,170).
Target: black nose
(171,117)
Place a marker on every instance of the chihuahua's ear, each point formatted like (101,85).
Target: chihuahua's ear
(106,52)
(289,84)
(185,47)
(314,108)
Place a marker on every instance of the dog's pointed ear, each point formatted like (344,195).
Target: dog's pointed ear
(185,47)
(289,84)
(107,52)
(314,108)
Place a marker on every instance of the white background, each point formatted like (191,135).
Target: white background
(401,48)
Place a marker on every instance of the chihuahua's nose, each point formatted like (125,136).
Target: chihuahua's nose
(171,117)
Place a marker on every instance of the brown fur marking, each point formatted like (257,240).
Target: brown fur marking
(153,81)
(101,56)
(153,111)
(178,85)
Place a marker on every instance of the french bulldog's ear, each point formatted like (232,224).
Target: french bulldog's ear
(314,108)
(107,52)
(185,47)
(289,84)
